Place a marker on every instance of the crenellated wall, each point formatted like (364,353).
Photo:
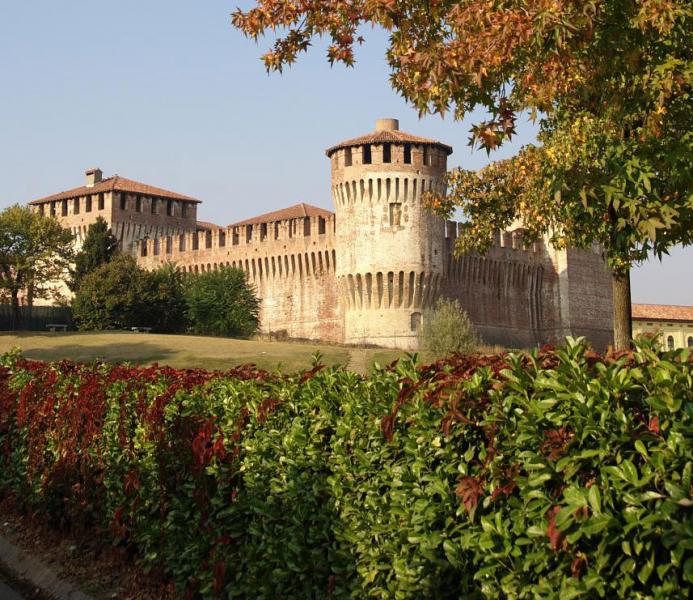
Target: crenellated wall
(507,291)
(291,263)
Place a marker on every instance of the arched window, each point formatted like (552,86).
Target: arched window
(416,321)
(670,342)
(690,341)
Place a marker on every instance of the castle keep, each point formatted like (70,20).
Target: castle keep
(369,271)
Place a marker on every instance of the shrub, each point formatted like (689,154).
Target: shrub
(120,294)
(559,473)
(222,302)
(165,308)
(112,296)
(100,247)
(448,330)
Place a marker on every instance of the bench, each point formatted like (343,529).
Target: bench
(53,327)
(141,329)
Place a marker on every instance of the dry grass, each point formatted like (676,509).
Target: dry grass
(183,351)
(186,351)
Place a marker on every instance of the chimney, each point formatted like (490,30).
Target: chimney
(94,176)
(387,125)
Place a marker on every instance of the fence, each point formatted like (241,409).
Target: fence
(35,318)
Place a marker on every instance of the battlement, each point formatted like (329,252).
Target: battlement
(264,237)
(502,240)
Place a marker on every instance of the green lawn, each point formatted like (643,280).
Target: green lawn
(183,351)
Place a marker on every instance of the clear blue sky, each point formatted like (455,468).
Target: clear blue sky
(170,94)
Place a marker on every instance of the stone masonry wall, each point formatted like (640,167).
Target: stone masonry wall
(291,263)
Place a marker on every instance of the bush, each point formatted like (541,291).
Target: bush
(112,296)
(559,473)
(100,247)
(120,294)
(448,330)
(222,302)
(165,308)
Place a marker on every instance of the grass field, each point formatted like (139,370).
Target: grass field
(183,351)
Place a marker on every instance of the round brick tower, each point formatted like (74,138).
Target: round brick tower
(389,246)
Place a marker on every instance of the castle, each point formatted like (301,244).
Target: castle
(369,272)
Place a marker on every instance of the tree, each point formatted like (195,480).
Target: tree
(222,303)
(165,306)
(99,247)
(113,296)
(35,252)
(448,330)
(608,80)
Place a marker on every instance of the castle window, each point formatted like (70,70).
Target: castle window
(347,157)
(123,202)
(387,153)
(101,201)
(367,154)
(138,204)
(276,230)
(75,205)
(407,154)
(248,233)
(153,206)
(306,226)
(87,204)
(208,239)
(416,322)
(670,342)
(222,239)
(42,209)
(395,214)
(426,156)
(169,208)
(63,210)
(184,209)
(53,209)
(321,225)
(263,231)
(690,341)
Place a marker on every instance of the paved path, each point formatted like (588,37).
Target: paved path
(6,592)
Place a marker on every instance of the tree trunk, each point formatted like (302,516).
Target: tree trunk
(16,311)
(623,322)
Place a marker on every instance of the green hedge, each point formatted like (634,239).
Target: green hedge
(556,474)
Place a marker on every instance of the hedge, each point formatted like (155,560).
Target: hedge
(555,474)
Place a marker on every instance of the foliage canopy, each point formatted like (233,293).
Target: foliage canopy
(99,247)
(222,302)
(35,252)
(608,80)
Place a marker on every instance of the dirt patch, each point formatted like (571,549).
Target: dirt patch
(88,561)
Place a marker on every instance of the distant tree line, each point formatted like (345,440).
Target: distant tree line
(113,292)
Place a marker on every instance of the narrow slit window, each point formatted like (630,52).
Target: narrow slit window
(387,153)
(138,204)
(101,202)
(123,202)
(87,204)
(347,157)
(395,214)
(407,154)
(75,209)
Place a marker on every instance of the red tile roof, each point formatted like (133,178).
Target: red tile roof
(205,225)
(117,184)
(662,312)
(391,136)
(297,211)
